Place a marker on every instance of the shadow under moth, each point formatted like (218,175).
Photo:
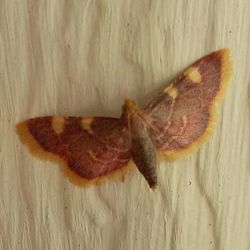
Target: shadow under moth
(174,123)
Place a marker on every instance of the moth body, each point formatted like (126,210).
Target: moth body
(142,147)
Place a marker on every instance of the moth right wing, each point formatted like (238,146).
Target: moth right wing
(184,114)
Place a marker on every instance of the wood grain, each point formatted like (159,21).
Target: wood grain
(82,58)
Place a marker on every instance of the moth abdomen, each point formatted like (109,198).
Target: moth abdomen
(143,150)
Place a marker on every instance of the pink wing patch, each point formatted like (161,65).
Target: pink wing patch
(89,147)
(183,115)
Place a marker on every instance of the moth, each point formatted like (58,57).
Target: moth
(174,123)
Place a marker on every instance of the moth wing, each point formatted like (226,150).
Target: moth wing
(184,114)
(87,148)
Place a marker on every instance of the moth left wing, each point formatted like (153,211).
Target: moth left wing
(87,148)
(184,114)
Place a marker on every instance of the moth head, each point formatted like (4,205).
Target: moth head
(129,105)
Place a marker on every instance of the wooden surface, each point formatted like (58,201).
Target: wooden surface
(82,58)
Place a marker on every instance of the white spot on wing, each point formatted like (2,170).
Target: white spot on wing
(86,123)
(171,91)
(193,74)
(58,124)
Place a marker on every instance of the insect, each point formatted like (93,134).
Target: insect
(174,123)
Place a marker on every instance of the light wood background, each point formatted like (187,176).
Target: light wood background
(83,57)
